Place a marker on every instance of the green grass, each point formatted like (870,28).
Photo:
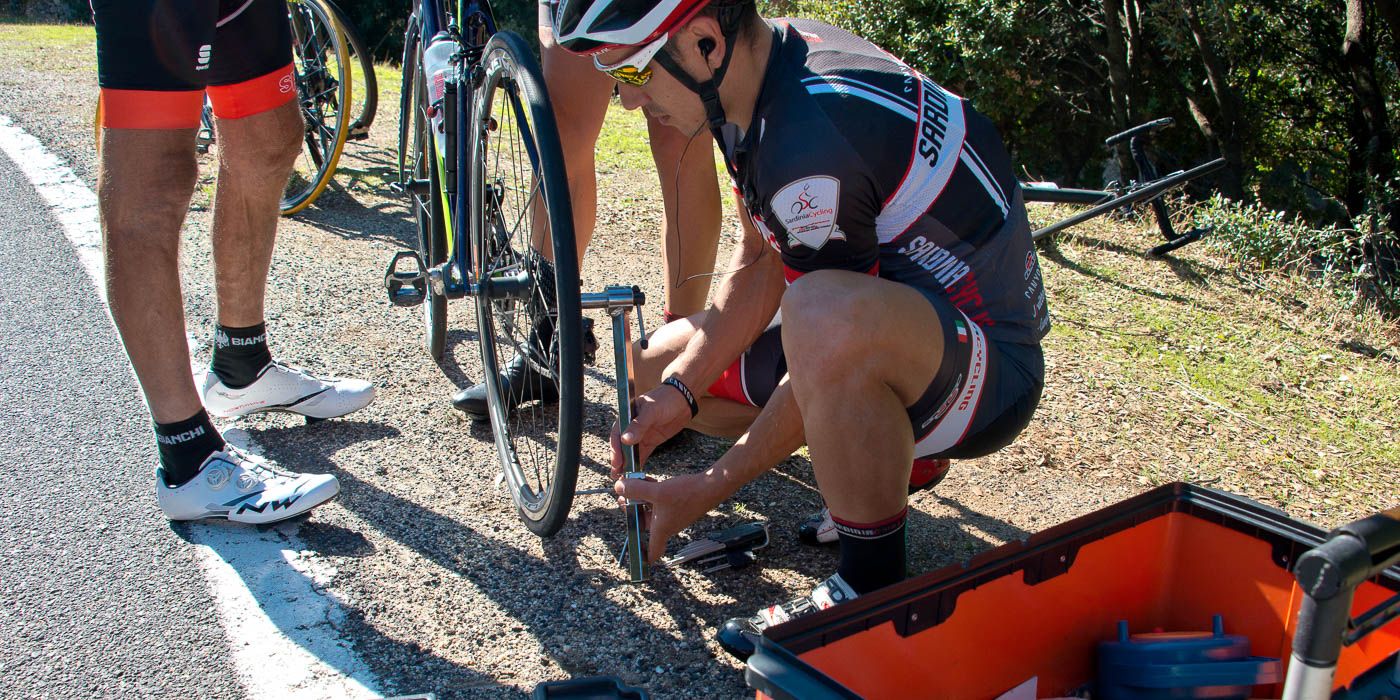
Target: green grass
(1188,370)
(54,48)
(622,145)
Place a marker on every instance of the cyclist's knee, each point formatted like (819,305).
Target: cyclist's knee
(145,179)
(822,323)
(263,144)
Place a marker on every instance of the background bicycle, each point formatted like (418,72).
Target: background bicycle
(1123,195)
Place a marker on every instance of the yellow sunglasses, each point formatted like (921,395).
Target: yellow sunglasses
(635,69)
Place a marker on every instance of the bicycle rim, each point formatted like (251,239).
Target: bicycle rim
(320,62)
(427,211)
(366,94)
(517,181)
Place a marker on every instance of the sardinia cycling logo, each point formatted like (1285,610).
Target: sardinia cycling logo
(807,208)
(285,85)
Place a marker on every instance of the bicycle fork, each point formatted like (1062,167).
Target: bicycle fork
(620,302)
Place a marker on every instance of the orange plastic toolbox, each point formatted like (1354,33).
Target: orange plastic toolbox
(1169,559)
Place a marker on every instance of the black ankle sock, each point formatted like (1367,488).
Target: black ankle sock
(184,445)
(240,354)
(872,554)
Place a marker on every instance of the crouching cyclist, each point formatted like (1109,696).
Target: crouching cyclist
(886,303)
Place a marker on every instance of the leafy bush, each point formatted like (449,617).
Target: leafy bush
(1359,264)
(48,10)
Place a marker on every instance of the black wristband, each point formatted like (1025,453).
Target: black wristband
(685,391)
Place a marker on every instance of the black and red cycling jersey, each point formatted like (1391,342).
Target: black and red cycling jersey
(855,161)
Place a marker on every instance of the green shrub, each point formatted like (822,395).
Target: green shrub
(1358,264)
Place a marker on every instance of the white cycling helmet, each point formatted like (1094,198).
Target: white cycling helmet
(590,26)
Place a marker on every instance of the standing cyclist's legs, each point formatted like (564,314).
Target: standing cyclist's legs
(252,91)
(152,96)
(144,181)
(146,174)
(255,159)
(580,97)
(259,129)
(690,234)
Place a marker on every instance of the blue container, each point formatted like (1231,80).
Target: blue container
(1181,665)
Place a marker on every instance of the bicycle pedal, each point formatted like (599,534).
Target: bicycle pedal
(406,288)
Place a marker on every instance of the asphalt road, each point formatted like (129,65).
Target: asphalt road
(98,597)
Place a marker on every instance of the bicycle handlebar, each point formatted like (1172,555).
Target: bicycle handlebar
(1149,127)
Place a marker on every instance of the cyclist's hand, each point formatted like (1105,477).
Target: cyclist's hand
(657,415)
(676,503)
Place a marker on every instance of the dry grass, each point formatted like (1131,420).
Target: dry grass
(1184,369)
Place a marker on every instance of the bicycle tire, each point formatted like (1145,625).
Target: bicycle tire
(511,100)
(427,207)
(362,116)
(406,78)
(320,62)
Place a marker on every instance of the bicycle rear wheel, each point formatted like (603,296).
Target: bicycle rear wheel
(366,93)
(419,158)
(320,62)
(527,273)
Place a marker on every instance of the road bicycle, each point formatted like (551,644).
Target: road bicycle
(480,162)
(1148,187)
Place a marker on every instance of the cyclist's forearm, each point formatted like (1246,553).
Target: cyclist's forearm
(745,303)
(773,437)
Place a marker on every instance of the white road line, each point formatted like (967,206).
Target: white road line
(270,592)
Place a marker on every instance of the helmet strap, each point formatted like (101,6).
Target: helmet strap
(708,90)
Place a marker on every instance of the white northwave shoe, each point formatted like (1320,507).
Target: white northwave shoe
(244,488)
(282,387)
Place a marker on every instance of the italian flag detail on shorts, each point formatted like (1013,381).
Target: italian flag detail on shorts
(962,331)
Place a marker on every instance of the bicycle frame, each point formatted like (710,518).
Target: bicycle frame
(480,24)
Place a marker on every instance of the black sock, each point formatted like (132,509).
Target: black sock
(240,354)
(872,554)
(184,445)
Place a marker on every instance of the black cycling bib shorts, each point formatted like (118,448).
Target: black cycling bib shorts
(156,60)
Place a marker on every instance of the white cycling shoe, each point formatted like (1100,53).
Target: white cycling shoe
(244,488)
(282,387)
